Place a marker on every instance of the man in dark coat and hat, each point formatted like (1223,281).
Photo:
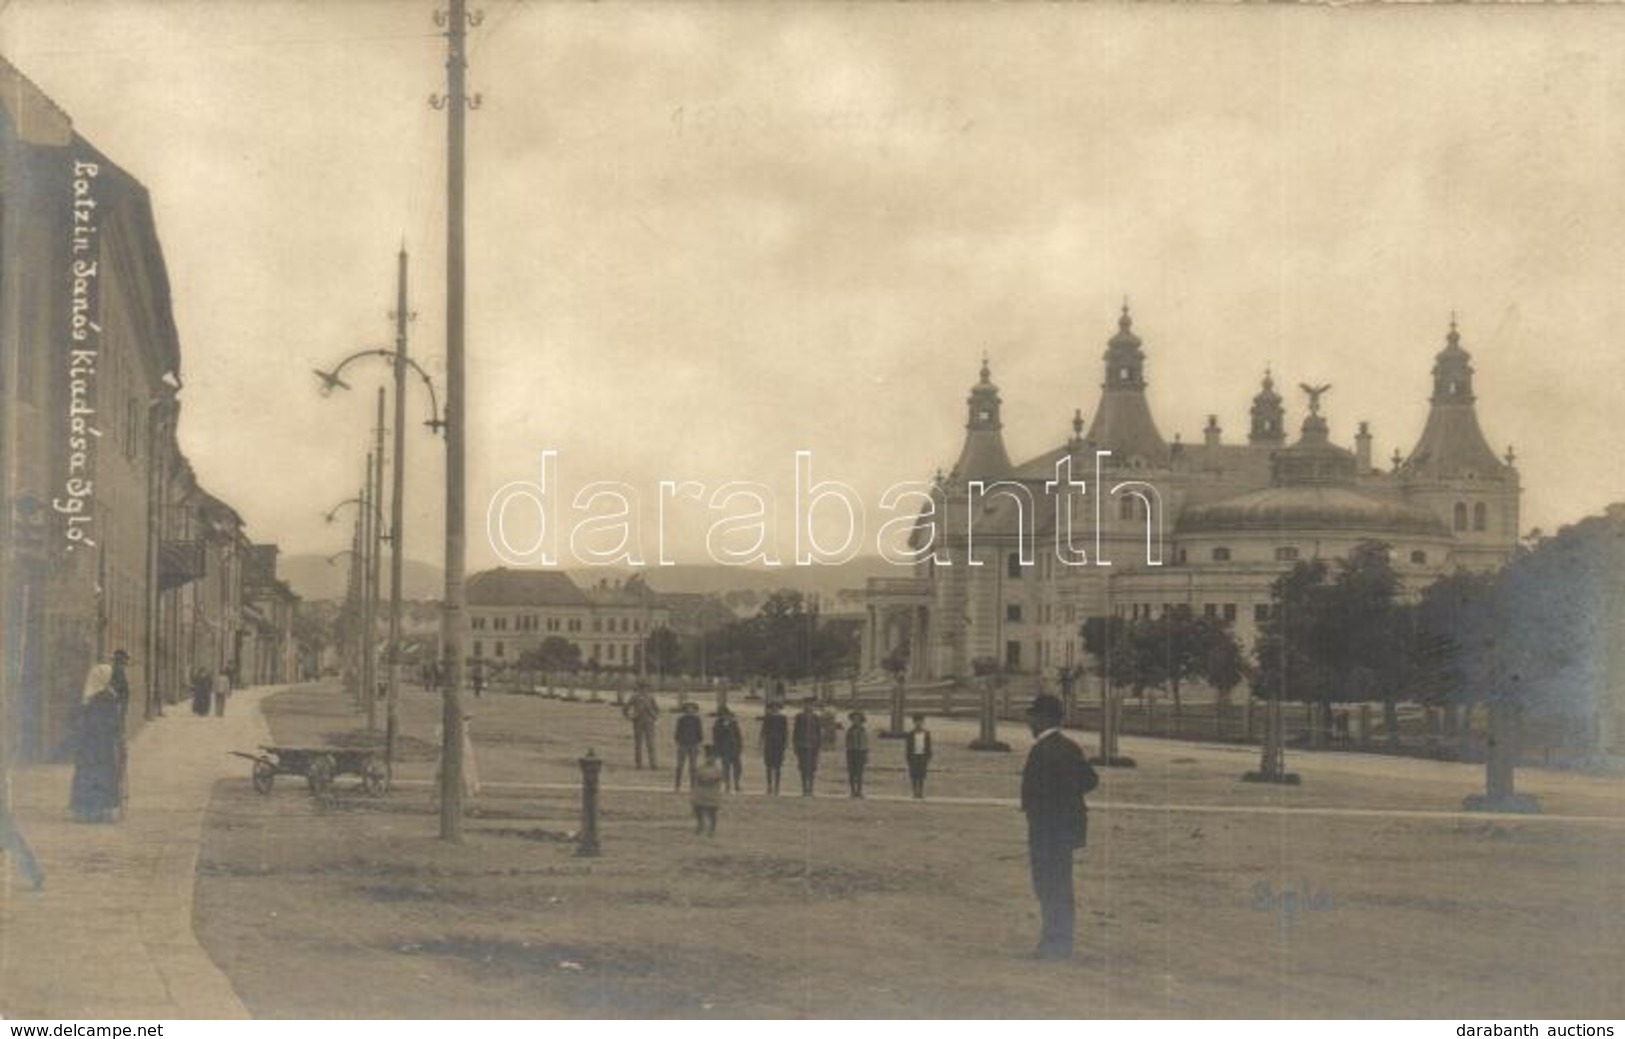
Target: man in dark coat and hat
(775,737)
(1053,783)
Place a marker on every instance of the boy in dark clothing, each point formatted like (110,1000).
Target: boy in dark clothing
(775,738)
(690,734)
(917,748)
(730,745)
(807,738)
(857,752)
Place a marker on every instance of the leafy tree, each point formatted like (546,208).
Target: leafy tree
(1338,634)
(553,655)
(1536,636)
(1180,647)
(785,640)
(665,650)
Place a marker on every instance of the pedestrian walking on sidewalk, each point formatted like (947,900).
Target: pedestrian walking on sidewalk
(222,692)
(121,682)
(98,759)
(917,750)
(202,692)
(706,796)
(689,734)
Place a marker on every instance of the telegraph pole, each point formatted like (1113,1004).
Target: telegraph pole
(456,102)
(397,512)
(377,553)
(367,619)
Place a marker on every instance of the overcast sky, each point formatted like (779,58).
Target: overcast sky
(704,236)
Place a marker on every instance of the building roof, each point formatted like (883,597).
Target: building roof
(1309,508)
(504,587)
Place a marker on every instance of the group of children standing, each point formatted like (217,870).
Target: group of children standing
(722,766)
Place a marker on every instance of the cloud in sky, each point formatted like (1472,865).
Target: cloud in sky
(703,236)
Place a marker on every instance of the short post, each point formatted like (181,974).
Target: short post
(587,843)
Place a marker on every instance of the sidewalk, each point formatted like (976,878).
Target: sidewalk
(110,936)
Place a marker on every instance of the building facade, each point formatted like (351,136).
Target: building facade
(511,611)
(1014,557)
(106,541)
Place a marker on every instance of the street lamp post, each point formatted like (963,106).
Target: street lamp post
(399,363)
(356,583)
(397,515)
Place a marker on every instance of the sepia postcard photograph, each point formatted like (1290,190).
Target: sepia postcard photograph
(521,510)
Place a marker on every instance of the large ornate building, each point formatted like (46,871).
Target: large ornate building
(1117,520)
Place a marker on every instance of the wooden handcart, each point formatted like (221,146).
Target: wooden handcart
(320,766)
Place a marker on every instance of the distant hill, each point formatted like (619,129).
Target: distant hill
(312,578)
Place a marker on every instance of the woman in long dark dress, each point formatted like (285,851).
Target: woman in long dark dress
(98,762)
(202,692)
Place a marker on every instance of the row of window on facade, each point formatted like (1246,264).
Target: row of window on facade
(610,653)
(531,622)
(1283,554)
(1221,554)
(1228,611)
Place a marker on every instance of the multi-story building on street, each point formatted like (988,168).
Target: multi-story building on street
(510,611)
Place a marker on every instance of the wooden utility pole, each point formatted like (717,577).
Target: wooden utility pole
(397,513)
(368,621)
(456,102)
(377,556)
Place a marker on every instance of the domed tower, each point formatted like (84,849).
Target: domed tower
(1312,508)
(983,457)
(1123,423)
(1269,417)
(1454,472)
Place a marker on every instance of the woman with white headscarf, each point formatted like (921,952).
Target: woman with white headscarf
(98,762)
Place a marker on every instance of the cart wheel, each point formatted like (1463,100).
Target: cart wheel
(320,776)
(375,778)
(264,776)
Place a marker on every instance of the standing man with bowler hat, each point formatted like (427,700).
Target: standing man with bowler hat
(1053,783)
